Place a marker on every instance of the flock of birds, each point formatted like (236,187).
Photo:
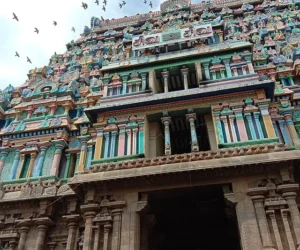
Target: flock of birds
(84,6)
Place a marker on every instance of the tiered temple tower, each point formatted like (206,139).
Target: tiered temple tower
(175,129)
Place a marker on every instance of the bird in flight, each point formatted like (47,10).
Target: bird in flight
(103,8)
(151,5)
(73,29)
(120,5)
(54,23)
(84,5)
(15,17)
(17,54)
(36,30)
(145,1)
(28,60)
(97,2)
(105,2)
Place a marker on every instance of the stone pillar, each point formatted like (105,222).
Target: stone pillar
(83,152)
(206,70)
(59,146)
(31,164)
(258,201)
(287,229)
(24,226)
(122,138)
(267,121)
(289,192)
(251,125)
(106,144)
(144,80)
(20,165)
(166,121)
(226,62)
(219,129)
(232,127)
(247,223)
(235,72)
(272,216)
(240,124)
(258,125)
(141,146)
(72,222)
(199,76)
(129,141)
(99,143)
(89,211)
(116,233)
(292,129)
(113,143)
(134,140)
(97,231)
(3,155)
(192,118)
(40,163)
(283,131)
(43,224)
(185,72)
(107,228)
(89,156)
(124,81)
(249,64)
(166,75)
(105,81)
(226,127)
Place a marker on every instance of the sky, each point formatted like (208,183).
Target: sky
(20,36)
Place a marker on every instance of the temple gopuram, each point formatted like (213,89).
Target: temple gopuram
(178,129)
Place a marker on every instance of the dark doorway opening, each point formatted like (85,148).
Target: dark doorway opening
(190,219)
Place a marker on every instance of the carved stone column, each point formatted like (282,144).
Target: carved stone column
(89,211)
(116,233)
(289,193)
(247,223)
(185,72)
(3,155)
(59,146)
(166,75)
(272,216)
(72,221)
(129,141)
(134,140)
(31,164)
(83,153)
(166,122)
(226,127)
(287,229)
(99,143)
(43,224)
(97,231)
(258,201)
(40,163)
(122,139)
(192,118)
(240,123)
(107,228)
(51,245)
(24,226)
(15,165)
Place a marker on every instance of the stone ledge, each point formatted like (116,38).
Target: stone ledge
(260,154)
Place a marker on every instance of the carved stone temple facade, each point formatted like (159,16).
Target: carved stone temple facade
(175,129)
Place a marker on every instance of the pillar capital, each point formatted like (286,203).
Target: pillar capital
(257,192)
(89,208)
(72,218)
(288,189)
(166,120)
(165,74)
(184,71)
(191,116)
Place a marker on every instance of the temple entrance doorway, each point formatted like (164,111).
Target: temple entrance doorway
(190,219)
